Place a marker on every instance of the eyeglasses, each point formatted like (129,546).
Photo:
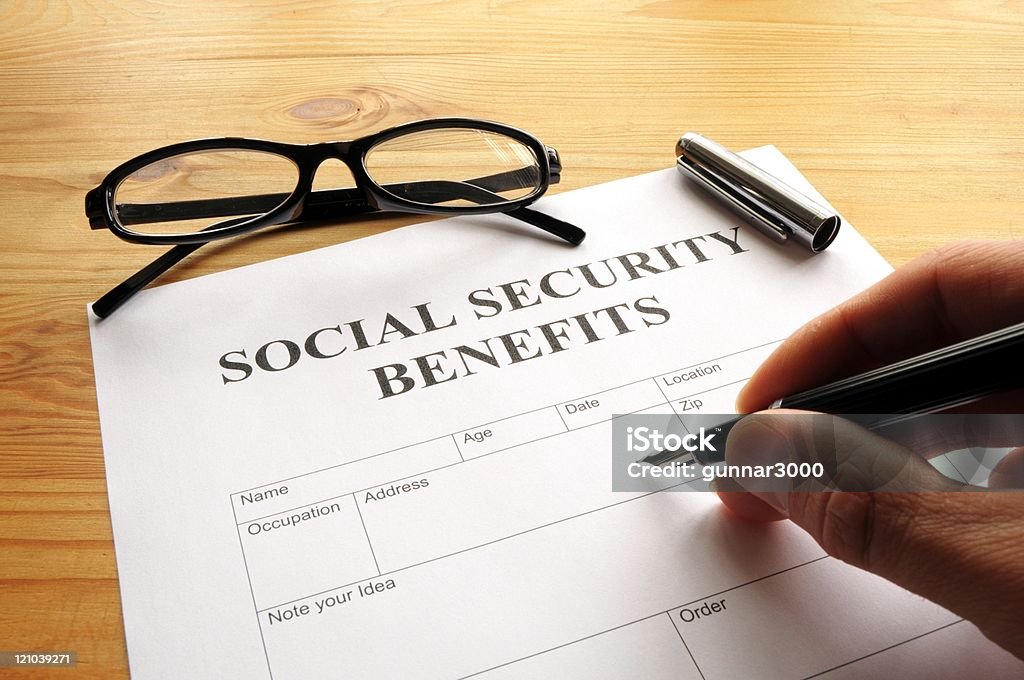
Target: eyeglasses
(446,166)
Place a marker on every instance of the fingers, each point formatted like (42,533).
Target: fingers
(934,434)
(1009,472)
(827,453)
(957,548)
(949,295)
(744,504)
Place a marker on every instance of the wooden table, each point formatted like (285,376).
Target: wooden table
(906,115)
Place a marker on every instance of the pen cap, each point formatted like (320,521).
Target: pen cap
(766,202)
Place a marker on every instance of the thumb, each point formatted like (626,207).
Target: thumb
(880,507)
(806,451)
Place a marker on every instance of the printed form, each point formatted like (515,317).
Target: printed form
(392,459)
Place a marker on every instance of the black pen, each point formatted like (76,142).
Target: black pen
(938,380)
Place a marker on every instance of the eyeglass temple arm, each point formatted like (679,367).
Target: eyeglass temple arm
(124,291)
(436,191)
(333,201)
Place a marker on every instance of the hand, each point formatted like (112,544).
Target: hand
(963,550)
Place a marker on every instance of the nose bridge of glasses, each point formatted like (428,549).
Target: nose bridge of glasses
(333,190)
(333,173)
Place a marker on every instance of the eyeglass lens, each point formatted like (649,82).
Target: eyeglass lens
(454,167)
(186,193)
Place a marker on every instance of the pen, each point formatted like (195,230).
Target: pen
(941,379)
(775,208)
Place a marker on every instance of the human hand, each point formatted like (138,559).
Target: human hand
(960,549)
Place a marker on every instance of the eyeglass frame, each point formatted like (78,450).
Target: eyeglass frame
(366,197)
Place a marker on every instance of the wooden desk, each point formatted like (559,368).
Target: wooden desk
(907,116)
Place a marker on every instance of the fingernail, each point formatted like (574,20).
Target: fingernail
(755,446)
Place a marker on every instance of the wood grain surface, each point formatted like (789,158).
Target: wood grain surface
(906,115)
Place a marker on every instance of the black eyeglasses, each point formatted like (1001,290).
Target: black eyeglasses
(447,166)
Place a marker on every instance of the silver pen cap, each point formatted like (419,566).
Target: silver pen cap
(771,205)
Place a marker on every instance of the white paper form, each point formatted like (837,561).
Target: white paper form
(391,459)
